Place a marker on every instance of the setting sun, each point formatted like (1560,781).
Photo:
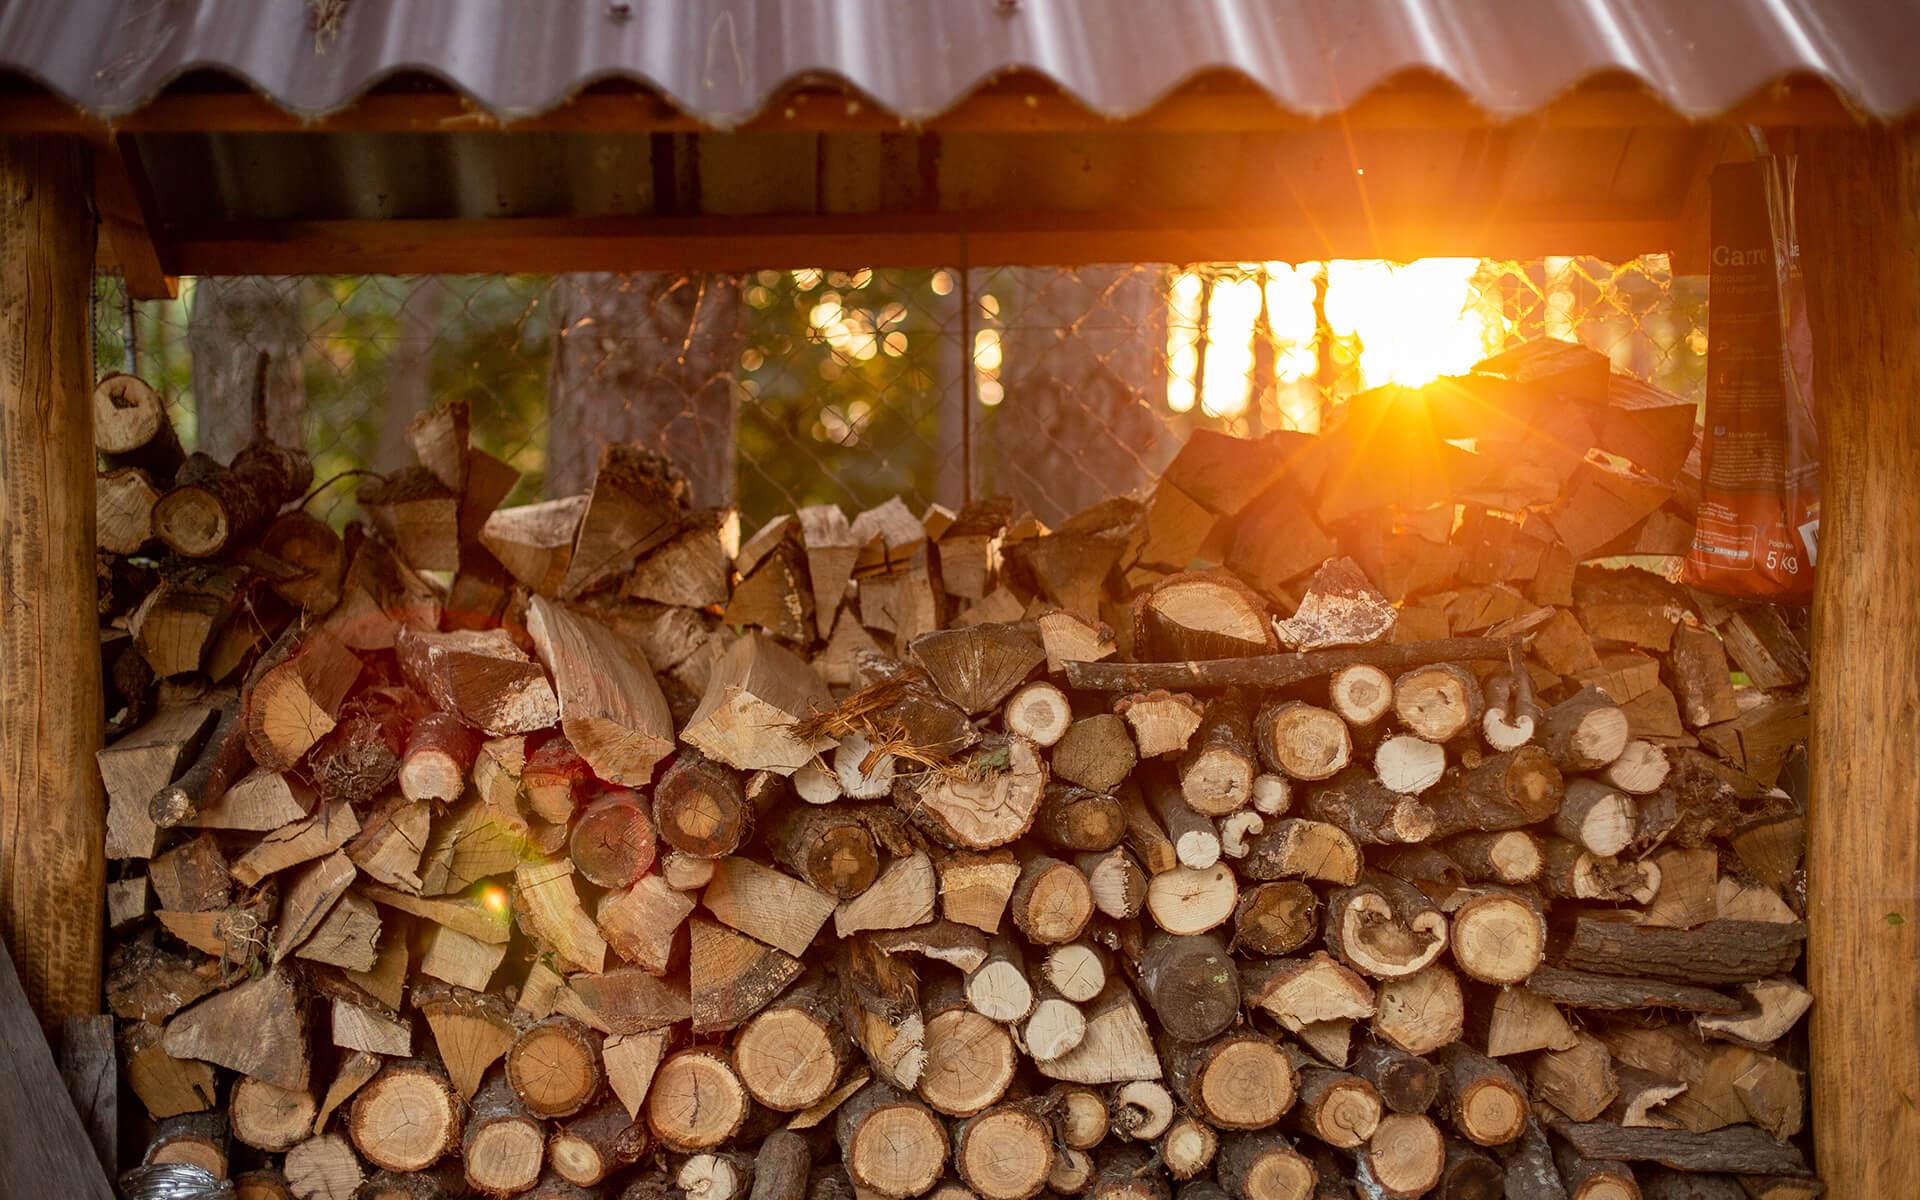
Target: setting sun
(1405,323)
(1414,321)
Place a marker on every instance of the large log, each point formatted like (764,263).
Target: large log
(696,1102)
(1237,1081)
(554,1067)
(1004,1153)
(1742,1148)
(1717,952)
(1191,985)
(790,1053)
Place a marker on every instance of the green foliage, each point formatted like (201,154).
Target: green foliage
(492,351)
(840,403)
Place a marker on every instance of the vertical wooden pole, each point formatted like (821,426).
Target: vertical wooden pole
(52,812)
(1859,207)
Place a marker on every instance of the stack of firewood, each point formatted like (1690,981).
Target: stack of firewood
(1326,824)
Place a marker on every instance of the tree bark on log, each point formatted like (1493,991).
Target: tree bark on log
(1743,1149)
(1191,984)
(595,1144)
(1405,1082)
(1717,952)
(1263,1166)
(1275,671)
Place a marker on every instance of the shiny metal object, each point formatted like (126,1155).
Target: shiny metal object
(173,1181)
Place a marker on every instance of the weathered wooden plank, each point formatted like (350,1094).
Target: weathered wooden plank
(88,1063)
(44,1149)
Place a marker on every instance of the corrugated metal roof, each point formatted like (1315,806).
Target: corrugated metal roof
(723,61)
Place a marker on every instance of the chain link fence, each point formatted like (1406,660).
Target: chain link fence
(783,388)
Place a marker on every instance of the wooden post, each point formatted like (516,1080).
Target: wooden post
(52,813)
(1859,212)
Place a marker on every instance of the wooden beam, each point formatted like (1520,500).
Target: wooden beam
(1021,102)
(757,243)
(52,810)
(123,200)
(1859,197)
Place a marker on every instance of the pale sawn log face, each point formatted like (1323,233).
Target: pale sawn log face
(1007,901)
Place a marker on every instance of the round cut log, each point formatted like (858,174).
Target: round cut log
(696,1102)
(1302,741)
(1498,938)
(407,1117)
(1362,694)
(789,1054)
(1005,1153)
(1438,702)
(989,800)
(970,1062)
(1406,1154)
(270,1118)
(890,1145)
(554,1067)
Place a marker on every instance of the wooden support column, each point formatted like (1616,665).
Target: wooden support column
(52,811)
(1859,209)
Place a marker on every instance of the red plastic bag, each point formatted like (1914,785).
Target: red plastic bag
(1757,531)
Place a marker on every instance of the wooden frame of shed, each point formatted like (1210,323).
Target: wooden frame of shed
(1017,173)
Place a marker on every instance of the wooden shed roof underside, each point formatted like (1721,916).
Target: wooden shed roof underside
(1067,141)
(415,181)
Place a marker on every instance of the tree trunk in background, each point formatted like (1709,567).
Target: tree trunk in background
(1084,368)
(954,396)
(647,359)
(232,321)
(409,371)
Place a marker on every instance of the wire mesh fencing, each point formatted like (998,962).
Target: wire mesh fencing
(783,388)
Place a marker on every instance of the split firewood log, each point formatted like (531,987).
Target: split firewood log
(1460,880)
(611,707)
